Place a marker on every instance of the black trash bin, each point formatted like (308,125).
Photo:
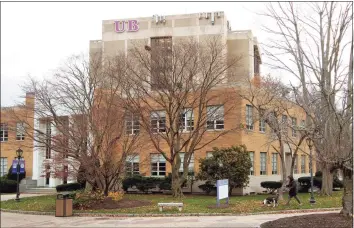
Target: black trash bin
(63,205)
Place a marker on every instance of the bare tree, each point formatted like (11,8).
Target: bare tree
(82,102)
(317,38)
(181,96)
(270,99)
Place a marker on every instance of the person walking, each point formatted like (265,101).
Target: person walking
(292,190)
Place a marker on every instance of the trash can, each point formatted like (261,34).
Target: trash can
(63,205)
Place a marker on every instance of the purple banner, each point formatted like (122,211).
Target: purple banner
(14,166)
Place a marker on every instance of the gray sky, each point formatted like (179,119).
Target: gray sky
(37,37)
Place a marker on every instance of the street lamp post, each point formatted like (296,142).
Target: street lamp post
(310,145)
(19,156)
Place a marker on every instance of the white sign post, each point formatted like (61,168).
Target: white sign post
(222,187)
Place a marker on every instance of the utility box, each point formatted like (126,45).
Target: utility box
(63,206)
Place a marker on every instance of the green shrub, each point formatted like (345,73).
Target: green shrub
(271,186)
(69,187)
(318,174)
(7,186)
(207,187)
(305,183)
(145,184)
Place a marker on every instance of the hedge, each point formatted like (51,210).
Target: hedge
(305,183)
(69,187)
(271,186)
(13,176)
(207,187)
(8,186)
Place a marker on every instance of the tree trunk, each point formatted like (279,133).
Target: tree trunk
(327,180)
(347,200)
(176,183)
(283,176)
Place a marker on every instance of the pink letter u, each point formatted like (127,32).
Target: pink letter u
(117,26)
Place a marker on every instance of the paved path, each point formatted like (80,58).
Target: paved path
(13,196)
(24,220)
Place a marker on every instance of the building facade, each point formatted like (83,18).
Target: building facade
(117,37)
(16,125)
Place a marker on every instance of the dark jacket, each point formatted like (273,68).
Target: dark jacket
(292,188)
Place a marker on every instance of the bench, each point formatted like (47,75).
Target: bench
(162,205)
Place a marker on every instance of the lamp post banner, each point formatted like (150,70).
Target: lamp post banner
(14,166)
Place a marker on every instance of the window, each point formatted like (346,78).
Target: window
(262,125)
(132,165)
(303,164)
(187,120)
(161,59)
(215,117)
(252,163)
(263,170)
(191,163)
(284,120)
(293,123)
(48,140)
(158,165)
(274,163)
(20,131)
(132,125)
(249,117)
(158,121)
(4,132)
(209,154)
(3,166)
(256,60)
(295,165)
(302,124)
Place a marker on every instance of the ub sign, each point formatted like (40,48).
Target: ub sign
(129,26)
(222,187)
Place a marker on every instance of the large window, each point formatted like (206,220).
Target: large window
(161,62)
(20,131)
(132,125)
(293,123)
(158,165)
(284,120)
(262,124)
(191,163)
(132,165)
(249,117)
(263,170)
(274,163)
(4,132)
(48,140)
(3,166)
(252,163)
(295,165)
(303,162)
(158,121)
(187,120)
(215,117)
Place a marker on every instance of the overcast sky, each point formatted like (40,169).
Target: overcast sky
(37,37)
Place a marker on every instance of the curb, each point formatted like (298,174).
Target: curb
(172,215)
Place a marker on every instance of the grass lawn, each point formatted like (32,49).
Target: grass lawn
(192,204)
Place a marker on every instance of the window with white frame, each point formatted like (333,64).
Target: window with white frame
(48,140)
(262,124)
(158,165)
(209,154)
(249,117)
(293,123)
(274,163)
(263,170)
(215,117)
(187,120)
(4,132)
(295,165)
(303,162)
(191,163)
(132,165)
(20,131)
(252,163)
(3,166)
(284,120)
(132,125)
(158,121)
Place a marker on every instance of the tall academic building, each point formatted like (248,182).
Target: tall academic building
(117,36)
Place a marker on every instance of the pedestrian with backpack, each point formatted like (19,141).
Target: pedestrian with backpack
(292,190)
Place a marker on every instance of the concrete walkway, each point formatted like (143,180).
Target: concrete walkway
(24,220)
(13,196)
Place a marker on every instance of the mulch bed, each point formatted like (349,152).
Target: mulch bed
(108,203)
(330,220)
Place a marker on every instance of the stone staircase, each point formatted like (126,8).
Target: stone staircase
(28,185)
